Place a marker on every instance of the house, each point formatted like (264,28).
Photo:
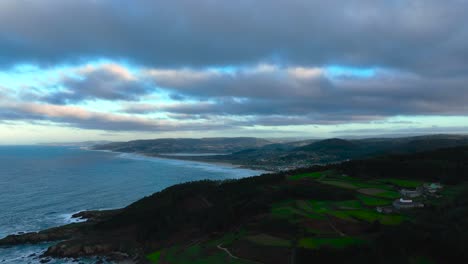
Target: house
(385,209)
(404,203)
(411,193)
(432,187)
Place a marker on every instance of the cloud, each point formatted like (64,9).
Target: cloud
(107,82)
(406,35)
(403,131)
(308,93)
(264,80)
(82,118)
(265,94)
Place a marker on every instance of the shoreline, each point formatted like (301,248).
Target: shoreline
(183,158)
(72,220)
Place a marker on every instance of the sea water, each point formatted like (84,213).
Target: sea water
(42,186)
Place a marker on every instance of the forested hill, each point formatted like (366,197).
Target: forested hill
(447,165)
(185,145)
(292,155)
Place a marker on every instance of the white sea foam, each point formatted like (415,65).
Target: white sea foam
(69,219)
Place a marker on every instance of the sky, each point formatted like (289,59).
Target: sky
(120,70)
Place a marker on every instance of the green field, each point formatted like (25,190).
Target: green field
(154,257)
(373,201)
(348,205)
(204,253)
(268,240)
(312,175)
(403,183)
(389,195)
(338,242)
(368,216)
(289,209)
(341,184)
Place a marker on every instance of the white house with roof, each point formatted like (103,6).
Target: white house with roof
(404,203)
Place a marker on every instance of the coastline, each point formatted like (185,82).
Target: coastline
(70,221)
(184,159)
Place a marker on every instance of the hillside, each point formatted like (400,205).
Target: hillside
(185,145)
(290,155)
(272,156)
(320,214)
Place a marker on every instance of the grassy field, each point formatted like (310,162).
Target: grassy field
(337,242)
(204,253)
(341,184)
(313,175)
(381,193)
(403,183)
(368,216)
(369,194)
(373,201)
(350,210)
(154,257)
(268,240)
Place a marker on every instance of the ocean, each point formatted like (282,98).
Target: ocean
(42,186)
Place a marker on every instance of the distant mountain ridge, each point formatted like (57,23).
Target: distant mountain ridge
(78,144)
(268,155)
(186,145)
(329,144)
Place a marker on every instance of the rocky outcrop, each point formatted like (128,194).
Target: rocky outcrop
(96,215)
(53,234)
(78,249)
(65,232)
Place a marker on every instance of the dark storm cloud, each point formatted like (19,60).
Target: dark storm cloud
(281,95)
(425,36)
